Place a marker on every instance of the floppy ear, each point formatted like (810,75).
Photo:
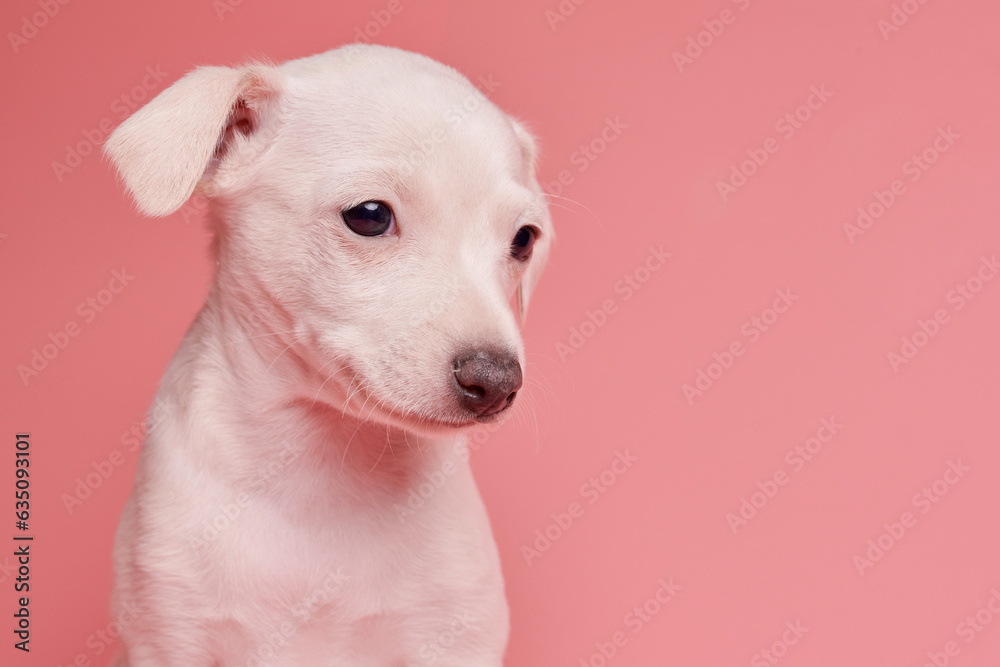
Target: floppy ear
(165,148)
(540,252)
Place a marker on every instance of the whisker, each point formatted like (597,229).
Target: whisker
(294,340)
(323,384)
(375,465)
(351,439)
(542,383)
(573,201)
(554,363)
(273,333)
(351,394)
(532,405)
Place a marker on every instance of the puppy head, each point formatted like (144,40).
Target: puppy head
(382,214)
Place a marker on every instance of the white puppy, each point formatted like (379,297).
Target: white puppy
(378,230)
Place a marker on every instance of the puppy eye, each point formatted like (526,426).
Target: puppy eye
(524,241)
(371,218)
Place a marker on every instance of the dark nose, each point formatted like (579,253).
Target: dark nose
(487,381)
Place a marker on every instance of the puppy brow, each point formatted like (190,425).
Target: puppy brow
(530,214)
(365,184)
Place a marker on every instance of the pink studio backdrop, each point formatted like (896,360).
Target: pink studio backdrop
(776,445)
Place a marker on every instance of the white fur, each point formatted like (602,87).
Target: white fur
(314,389)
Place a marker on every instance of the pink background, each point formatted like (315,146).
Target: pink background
(680,132)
